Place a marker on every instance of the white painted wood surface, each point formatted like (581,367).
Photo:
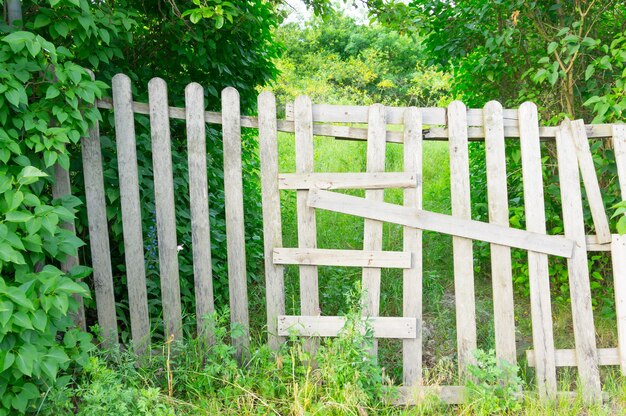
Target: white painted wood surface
(441,223)
(272,224)
(498,201)
(580,291)
(372,229)
(164,206)
(99,236)
(199,210)
(368,180)
(346,258)
(60,188)
(412,243)
(462,247)
(538,272)
(331,326)
(590,179)
(233,203)
(131,213)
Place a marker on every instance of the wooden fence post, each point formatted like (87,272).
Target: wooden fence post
(272,225)
(307,231)
(412,243)
(199,208)
(618,247)
(233,200)
(164,205)
(538,273)
(99,235)
(580,291)
(501,268)
(372,229)
(131,212)
(462,247)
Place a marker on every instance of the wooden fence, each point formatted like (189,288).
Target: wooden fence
(457,125)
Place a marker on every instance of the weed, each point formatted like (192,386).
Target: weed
(494,386)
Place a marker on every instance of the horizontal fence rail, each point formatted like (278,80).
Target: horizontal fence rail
(357,133)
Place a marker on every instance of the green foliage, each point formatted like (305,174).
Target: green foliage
(207,379)
(227,44)
(494,386)
(338,61)
(46,105)
(620,212)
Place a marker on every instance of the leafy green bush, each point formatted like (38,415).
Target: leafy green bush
(45,106)
(494,386)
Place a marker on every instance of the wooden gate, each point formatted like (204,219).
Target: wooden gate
(456,124)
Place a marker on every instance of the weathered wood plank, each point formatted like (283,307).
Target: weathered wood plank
(372,229)
(272,226)
(60,188)
(618,255)
(414,396)
(164,206)
(233,202)
(331,326)
(441,223)
(131,213)
(580,291)
(328,113)
(199,210)
(590,179)
(346,258)
(618,247)
(347,132)
(412,243)
(369,180)
(307,229)
(99,236)
(538,272)
(461,247)
(567,357)
(501,269)
(593,245)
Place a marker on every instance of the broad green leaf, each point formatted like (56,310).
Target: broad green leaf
(19,297)
(621,225)
(18,216)
(39,320)
(24,361)
(41,20)
(30,174)
(552,47)
(21,319)
(52,92)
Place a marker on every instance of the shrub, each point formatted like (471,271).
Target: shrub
(494,386)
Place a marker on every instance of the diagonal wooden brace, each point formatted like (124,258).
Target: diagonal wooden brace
(446,224)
